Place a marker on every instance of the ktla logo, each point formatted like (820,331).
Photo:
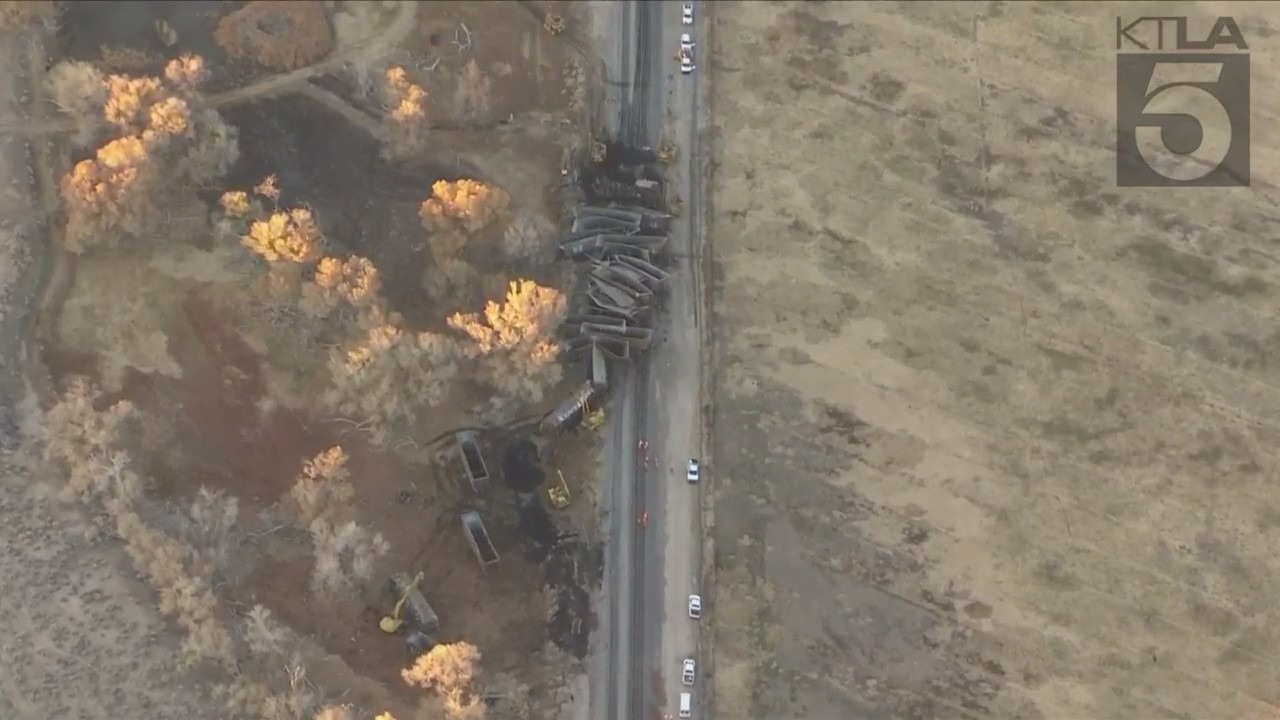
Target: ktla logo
(1182,104)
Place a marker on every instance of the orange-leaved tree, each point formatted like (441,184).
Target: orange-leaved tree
(515,340)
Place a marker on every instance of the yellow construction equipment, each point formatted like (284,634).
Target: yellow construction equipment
(559,494)
(593,419)
(392,623)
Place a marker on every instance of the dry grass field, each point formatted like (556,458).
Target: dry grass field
(993,437)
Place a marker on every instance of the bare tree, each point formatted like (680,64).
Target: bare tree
(449,278)
(271,682)
(263,634)
(79,90)
(84,443)
(431,364)
(471,96)
(213,528)
(212,150)
(389,373)
(527,236)
(177,572)
(345,555)
(284,694)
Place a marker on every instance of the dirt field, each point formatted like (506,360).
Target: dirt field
(993,437)
(224,391)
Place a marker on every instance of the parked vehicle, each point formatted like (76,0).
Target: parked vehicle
(686,65)
(690,671)
(695,606)
(686,14)
(694,471)
(686,705)
(686,43)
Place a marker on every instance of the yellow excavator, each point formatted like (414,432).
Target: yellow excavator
(392,623)
(559,494)
(592,419)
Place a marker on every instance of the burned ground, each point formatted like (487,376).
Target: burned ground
(222,390)
(993,437)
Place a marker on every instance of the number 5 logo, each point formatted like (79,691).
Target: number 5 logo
(1186,123)
(1176,91)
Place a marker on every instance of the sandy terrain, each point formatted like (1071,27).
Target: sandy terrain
(993,437)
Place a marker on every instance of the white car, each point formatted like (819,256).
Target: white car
(690,671)
(695,606)
(686,14)
(686,65)
(686,43)
(693,473)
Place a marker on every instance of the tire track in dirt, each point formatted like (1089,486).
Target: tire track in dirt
(56,265)
(454,135)
(396,32)
(349,112)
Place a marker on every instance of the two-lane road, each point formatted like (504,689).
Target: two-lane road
(672,387)
(650,571)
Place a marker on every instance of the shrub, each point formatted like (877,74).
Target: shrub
(449,669)
(323,490)
(345,555)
